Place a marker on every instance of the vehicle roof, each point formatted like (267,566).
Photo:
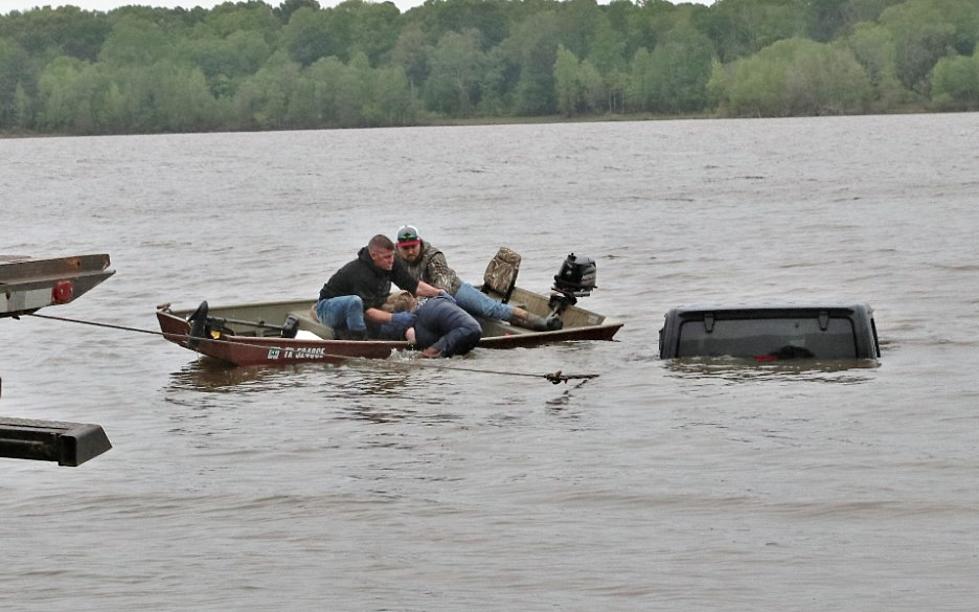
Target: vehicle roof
(773,305)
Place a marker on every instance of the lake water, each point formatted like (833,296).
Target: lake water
(687,486)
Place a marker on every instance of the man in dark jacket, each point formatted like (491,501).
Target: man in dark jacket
(350,302)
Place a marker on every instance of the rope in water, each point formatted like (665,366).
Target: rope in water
(554,377)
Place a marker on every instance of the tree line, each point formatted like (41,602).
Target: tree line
(252,66)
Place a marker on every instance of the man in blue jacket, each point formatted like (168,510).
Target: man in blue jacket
(350,302)
(440,327)
(443,329)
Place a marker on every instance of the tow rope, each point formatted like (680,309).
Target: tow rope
(556,377)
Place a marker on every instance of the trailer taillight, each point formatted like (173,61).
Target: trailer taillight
(62,292)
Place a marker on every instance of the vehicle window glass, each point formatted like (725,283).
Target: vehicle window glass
(780,338)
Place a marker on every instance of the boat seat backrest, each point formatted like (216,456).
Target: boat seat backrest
(501,273)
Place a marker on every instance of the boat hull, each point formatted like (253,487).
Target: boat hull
(259,343)
(250,351)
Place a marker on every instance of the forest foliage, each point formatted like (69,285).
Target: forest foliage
(255,66)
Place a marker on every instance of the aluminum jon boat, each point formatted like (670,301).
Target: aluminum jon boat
(288,333)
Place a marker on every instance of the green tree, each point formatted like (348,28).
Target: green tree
(302,111)
(136,41)
(224,61)
(359,89)
(229,17)
(743,27)
(45,32)
(262,101)
(578,22)
(955,83)
(65,102)
(375,28)
(873,47)
(286,8)
(647,22)
(342,24)
(578,85)
(327,75)
(857,11)
(607,48)
(566,83)
(496,84)
(457,64)
(439,17)
(640,91)
(825,18)
(23,109)
(115,115)
(182,100)
(410,53)
(391,99)
(532,48)
(308,37)
(607,56)
(594,92)
(340,90)
(794,77)
(921,37)
(680,68)
(16,74)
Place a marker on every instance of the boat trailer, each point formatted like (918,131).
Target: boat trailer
(27,285)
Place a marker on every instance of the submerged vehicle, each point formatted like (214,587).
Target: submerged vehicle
(770,332)
(288,332)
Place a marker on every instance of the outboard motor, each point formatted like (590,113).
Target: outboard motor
(198,325)
(575,279)
(577,276)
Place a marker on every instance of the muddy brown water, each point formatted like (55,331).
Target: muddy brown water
(658,485)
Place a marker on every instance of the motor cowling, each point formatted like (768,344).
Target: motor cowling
(576,277)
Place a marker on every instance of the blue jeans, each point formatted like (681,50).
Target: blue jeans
(478,304)
(342,312)
(443,325)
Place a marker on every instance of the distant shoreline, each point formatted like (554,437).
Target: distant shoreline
(489,121)
(440,122)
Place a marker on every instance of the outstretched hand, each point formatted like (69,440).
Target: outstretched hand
(426,290)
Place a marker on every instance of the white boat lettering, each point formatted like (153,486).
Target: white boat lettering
(300,352)
(273,353)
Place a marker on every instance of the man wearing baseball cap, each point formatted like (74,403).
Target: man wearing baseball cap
(427,264)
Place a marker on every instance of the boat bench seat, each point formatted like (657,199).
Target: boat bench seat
(309,323)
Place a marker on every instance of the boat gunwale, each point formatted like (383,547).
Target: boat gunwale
(608,325)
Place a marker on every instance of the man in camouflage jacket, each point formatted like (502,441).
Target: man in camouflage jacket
(426,263)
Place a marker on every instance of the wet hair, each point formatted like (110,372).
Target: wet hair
(380,242)
(400,301)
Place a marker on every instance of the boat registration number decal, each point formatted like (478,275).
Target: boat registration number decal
(299,352)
